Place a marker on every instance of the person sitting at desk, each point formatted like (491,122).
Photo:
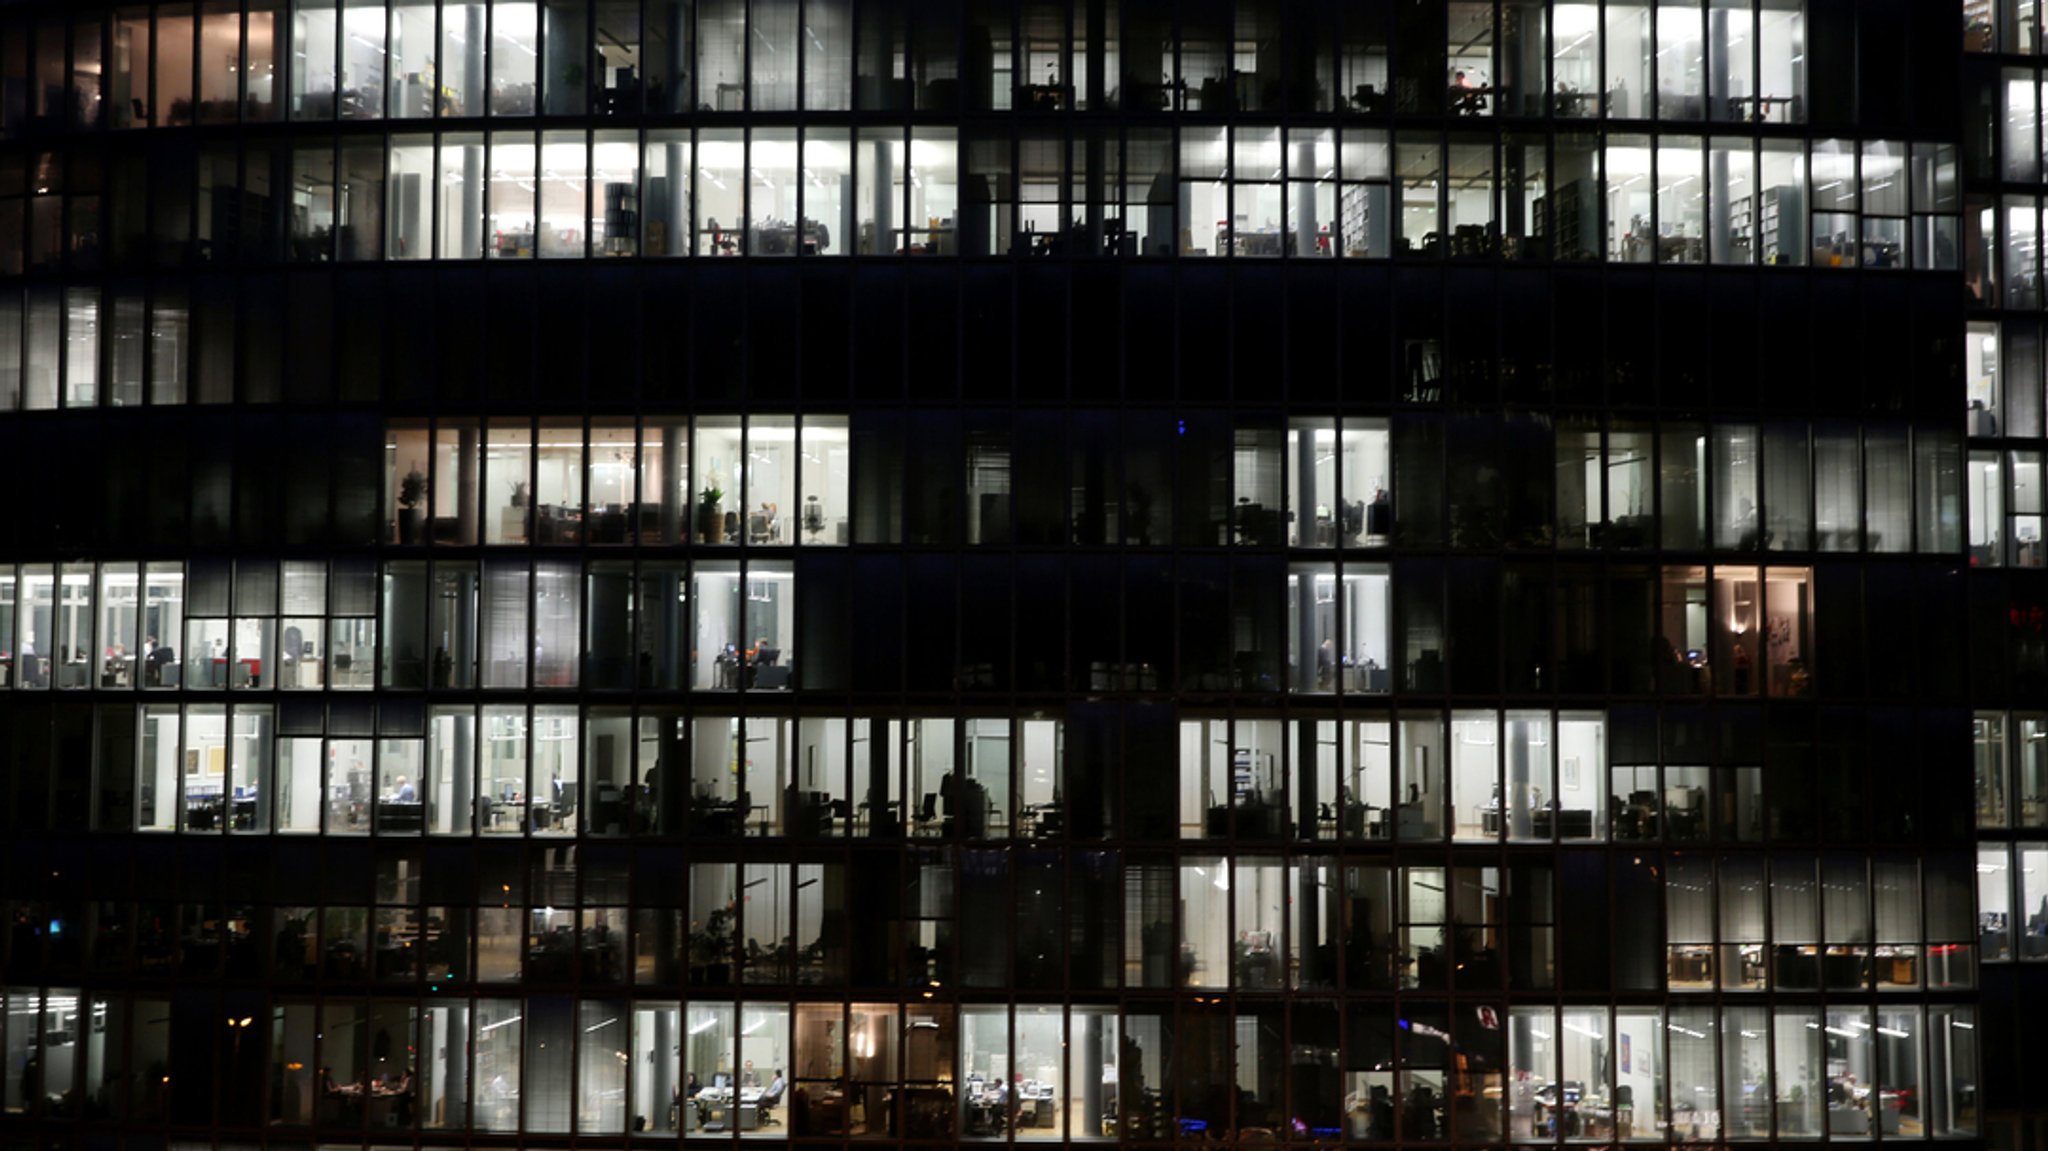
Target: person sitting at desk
(404,792)
(1466,100)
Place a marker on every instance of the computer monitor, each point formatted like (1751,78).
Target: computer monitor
(508,792)
(721,1080)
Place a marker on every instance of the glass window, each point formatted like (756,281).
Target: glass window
(572,74)
(824,454)
(1311,200)
(411,210)
(1682,496)
(1994,902)
(1681,201)
(992,1091)
(1781,61)
(664,475)
(359,89)
(1681,62)
(496,1047)
(1630,50)
(1733,201)
(1205,194)
(1537,1098)
(129,90)
(665,197)
(1631,196)
(461,185)
(1884,204)
(1781,216)
(1579,810)
(1993,787)
(558,482)
(1419,780)
(1470,59)
(827,175)
(934,193)
(612,482)
(770,481)
(1950,1104)
(1531,806)
(774,218)
(514,56)
(1887,477)
(1477,805)
(1987,514)
(1419,174)
(508,460)
(1937,493)
(718,479)
(313,204)
(315,57)
(1365,789)
(513,186)
(1257,218)
(457,84)
(502,783)
(2030,769)
(1469,198)
(564,184)
(1205,921)
(449,772)
(721,192)
(1934,191)
(158,770)
(878,163)
(413,79)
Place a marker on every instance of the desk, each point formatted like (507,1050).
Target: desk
(1465,100)
(1040,821)
(781,238)
(203,812)
(1368,678)
(1044,97)
(723,817)
(1759,107)
(881,817)
(401,816)
(1258,967)
(251,672)
(1570,823)
(558,525)
(718,1111)
(1681,250)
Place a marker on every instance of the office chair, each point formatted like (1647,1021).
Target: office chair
(757,528)
(928,809)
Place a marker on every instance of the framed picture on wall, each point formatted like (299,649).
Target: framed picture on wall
(1570,775)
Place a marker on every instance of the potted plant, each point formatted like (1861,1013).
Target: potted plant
(518,493)
(411,490)
(711,516)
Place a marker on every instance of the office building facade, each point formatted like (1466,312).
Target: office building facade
(1442,572)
